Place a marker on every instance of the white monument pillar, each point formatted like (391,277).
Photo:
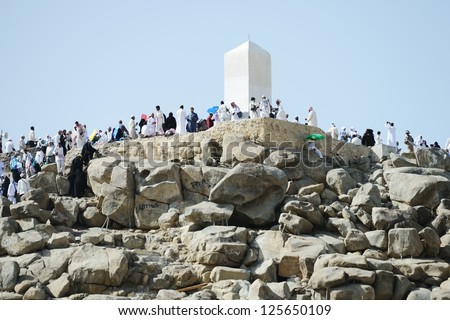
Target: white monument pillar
(247,73)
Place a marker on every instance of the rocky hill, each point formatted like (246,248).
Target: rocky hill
(241,211)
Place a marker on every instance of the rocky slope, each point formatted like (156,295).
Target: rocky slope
(241,211)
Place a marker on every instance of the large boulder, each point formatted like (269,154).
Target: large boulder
(23,242)
(415,189)
(9,273)
(433,158)
(44,180)
(28,209)
(404,242)
(208,213)
(217,246)
(340,181)
(201,179)
(117,204)
(92,267)
(99,171)
(40,197)
(282,159)
(255,190)
(162,184)
(367,197)
(65,212)
(147,212)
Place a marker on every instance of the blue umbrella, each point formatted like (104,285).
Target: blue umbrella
(213,109)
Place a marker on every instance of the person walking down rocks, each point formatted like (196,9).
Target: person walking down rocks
(311,119)
(409,141)
(23,186)
(391,136)
(192,119)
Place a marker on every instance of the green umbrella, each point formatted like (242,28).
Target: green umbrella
(315,136)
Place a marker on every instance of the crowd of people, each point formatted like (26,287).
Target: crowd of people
(53,149)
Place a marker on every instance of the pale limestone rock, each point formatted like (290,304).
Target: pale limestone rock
(147,212)
(9,273)
(91,265)
(60,287)
(39,196)
(352,292)
(404,243)
(294,224)
(28,209)
(24,242)
(367,197)
(431,242)
(422,190)
(340,181)
(44,180)
(255,190)
(65,212)
(282,159)
(265,270)
(92,217)
(58,240)
(377,239)
(216,245)
(328,277)
(419,294)
(305,210)
(208,213)
(226,273)
(34,294)
(167,294)
(356,240)
(169,219)
(259,290)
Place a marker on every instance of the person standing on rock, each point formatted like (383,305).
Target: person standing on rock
(31,138)
(311,120)
(312,147)
(132,128)
(264,107)
(333,131)
(280,114)
(192,119)
(59,158)
(79,129)
(23,186)
(235,110)
(391,136)
(378,139)
(409,141)
(12,190)
(223,112)
(160,121)
(253,108)
(181,120)
(368,139)
(171,122)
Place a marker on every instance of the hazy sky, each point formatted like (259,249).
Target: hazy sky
(359,63)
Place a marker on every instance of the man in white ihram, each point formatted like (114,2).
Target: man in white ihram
(311,120)
(264,107)
(132,128)
(334,131)
(391,138)
(181,120)
(159,121)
